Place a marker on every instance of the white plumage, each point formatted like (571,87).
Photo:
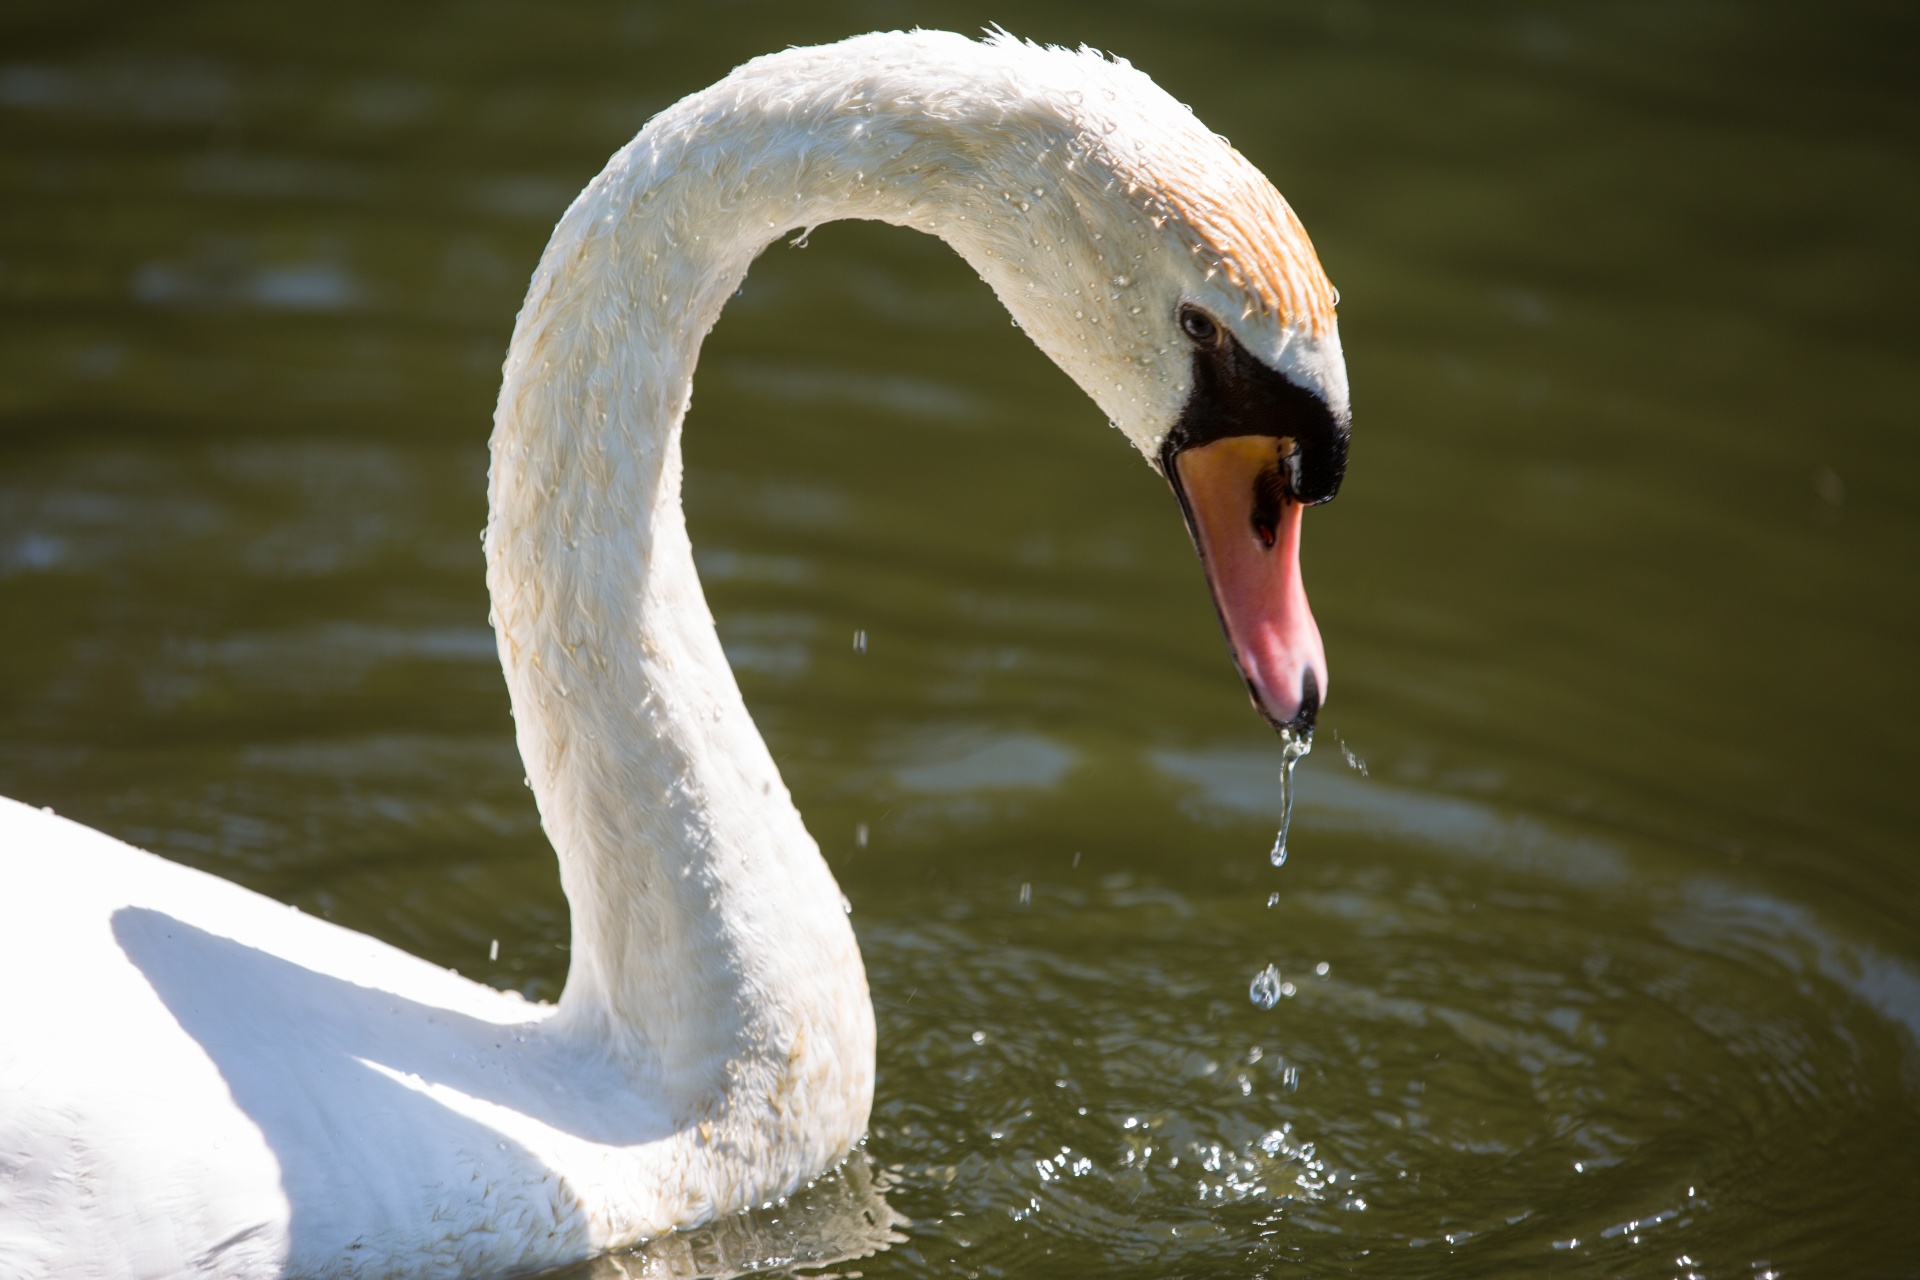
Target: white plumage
(195,1080)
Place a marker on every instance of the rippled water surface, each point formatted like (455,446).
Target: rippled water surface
(1597,941)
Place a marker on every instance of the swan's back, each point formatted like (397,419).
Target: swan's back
(195,1079)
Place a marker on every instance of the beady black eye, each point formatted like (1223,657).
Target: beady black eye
(1198,324)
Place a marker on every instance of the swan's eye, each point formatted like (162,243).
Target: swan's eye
(1198,325)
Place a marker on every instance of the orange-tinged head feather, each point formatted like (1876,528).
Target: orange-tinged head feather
(1227,210)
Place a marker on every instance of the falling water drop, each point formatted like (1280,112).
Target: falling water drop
(1264,991)
(1292,748)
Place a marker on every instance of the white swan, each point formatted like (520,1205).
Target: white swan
(195,1080)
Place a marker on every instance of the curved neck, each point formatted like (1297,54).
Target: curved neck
(705,924)
(710,946)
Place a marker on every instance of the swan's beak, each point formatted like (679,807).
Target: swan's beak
(1246,527)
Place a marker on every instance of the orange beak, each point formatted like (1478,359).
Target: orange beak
(1233,492)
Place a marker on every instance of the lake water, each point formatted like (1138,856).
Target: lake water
(1607,963)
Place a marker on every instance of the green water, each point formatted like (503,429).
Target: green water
(1620,926)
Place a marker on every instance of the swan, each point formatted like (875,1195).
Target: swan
(197,1080)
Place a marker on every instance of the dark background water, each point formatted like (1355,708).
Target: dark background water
(1619,923)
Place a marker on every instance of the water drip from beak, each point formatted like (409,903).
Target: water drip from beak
(1293,746)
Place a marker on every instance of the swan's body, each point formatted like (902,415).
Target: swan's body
(195,1080)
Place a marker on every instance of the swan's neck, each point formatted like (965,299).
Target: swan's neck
(711,952)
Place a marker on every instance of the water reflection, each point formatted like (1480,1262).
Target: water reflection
(223,275)
(960,764)
(842,1217)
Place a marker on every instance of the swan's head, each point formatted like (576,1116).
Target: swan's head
(1165,274)
(1251,447)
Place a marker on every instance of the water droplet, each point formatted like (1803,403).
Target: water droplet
(1264,991)
(493,952)
(1322,968)
(1273,900)
(860,835)
(1292,748)
(979,1037)
(860,642)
